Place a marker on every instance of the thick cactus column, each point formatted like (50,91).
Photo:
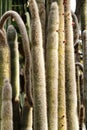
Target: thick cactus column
(39,89)
(71,94)
(52,67)
(6,111)
(61,78)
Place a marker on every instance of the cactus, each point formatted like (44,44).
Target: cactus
(39,89)
(52,67)
(71,95)
(27,119)
(42,13)
(83,15)
(82,118)
(6,109)
(48,3)
(78,87)
(80,65)
(28,25)
(85,72)
(12,41)
(0,8)
(75,27)
(61,78)
(26,48)
(4,62)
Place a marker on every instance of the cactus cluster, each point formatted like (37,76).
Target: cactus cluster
(45,77)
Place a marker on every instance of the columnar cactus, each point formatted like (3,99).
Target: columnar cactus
(52,67)
(84,15)
(75,26)
(42,13)
(12,41)
(4,62)
(27,117)
(71,94)
(61,78)
(85,72)
(39,89)
(82,118)
(13,44)
(0,8)
(6,111)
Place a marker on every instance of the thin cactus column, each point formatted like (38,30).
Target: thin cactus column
(28,25)
(6,111)
(42,13)
(39,89)
(52,67)
(4,62)
(0,8)
(84,15)
(71,95)
(13,45)
(84,27)
(85,72)
(82,118)
(61,78)
(75,27)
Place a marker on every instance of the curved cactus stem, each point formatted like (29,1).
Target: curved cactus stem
(26,47)
(80,65)
(78,42)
